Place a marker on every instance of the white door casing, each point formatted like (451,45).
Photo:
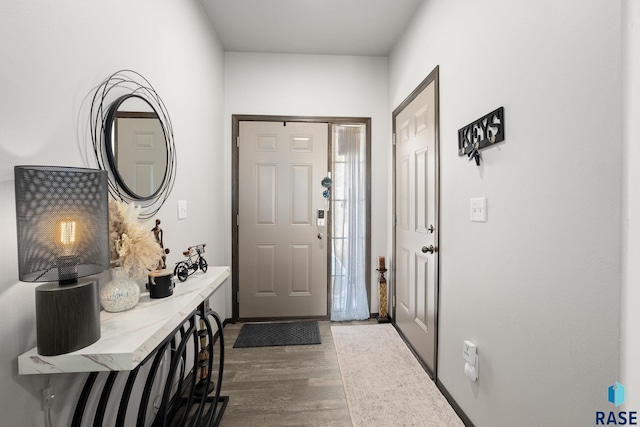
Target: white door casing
(416,229)
(282,251)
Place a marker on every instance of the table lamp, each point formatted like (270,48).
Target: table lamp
(62,216)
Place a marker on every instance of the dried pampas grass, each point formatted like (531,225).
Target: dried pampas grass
(131,246)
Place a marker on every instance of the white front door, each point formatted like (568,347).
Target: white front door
(282,249)
(141,154)
(416,252)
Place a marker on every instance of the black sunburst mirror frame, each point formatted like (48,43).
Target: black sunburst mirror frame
(115,89)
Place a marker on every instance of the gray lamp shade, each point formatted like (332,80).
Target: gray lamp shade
(63,222)
(62,218)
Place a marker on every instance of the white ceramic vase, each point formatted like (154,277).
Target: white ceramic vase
(121,293)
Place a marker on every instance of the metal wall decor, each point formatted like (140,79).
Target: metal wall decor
(108,99)
(487,130)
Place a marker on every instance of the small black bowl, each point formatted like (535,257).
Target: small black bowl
(160,284)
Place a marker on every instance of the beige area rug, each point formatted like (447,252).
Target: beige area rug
(383,381)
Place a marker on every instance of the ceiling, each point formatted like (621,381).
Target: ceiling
(324,27)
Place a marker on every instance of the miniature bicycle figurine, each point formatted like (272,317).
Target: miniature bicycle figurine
(194,260)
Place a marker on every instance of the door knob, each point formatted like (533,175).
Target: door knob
(429,249)
(320,236)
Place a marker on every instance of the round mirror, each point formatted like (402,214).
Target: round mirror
(132,139)
(136,146)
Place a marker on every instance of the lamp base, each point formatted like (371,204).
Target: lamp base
(67,316)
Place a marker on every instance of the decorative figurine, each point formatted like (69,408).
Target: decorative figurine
(194,261)
(382,285)
(160,282)
(157,233)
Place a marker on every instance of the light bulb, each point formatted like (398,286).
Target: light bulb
(67,259)
(68,232)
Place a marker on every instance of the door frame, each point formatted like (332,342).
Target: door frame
(235,181)
(433,77)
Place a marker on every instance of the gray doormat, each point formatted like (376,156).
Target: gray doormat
(278,334)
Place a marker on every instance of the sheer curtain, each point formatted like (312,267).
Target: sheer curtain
(349,227)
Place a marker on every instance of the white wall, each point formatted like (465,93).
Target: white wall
(630,293)
(53,55)
(317,85)
(537,286)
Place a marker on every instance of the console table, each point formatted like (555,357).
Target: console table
(158,339)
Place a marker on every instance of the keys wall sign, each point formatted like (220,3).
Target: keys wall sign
(481,133)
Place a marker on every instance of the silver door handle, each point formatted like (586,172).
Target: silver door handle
(319,236)
(429,249)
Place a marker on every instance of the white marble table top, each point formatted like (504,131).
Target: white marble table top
(127,338)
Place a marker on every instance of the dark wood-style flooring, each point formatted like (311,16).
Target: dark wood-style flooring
(284,386)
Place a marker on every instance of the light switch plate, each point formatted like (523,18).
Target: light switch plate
(182,209)
(478,207)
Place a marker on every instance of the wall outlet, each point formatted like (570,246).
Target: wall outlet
(469,350)
(470,355)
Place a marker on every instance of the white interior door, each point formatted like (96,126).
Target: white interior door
(141,153)
(416,254)
(282,249)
